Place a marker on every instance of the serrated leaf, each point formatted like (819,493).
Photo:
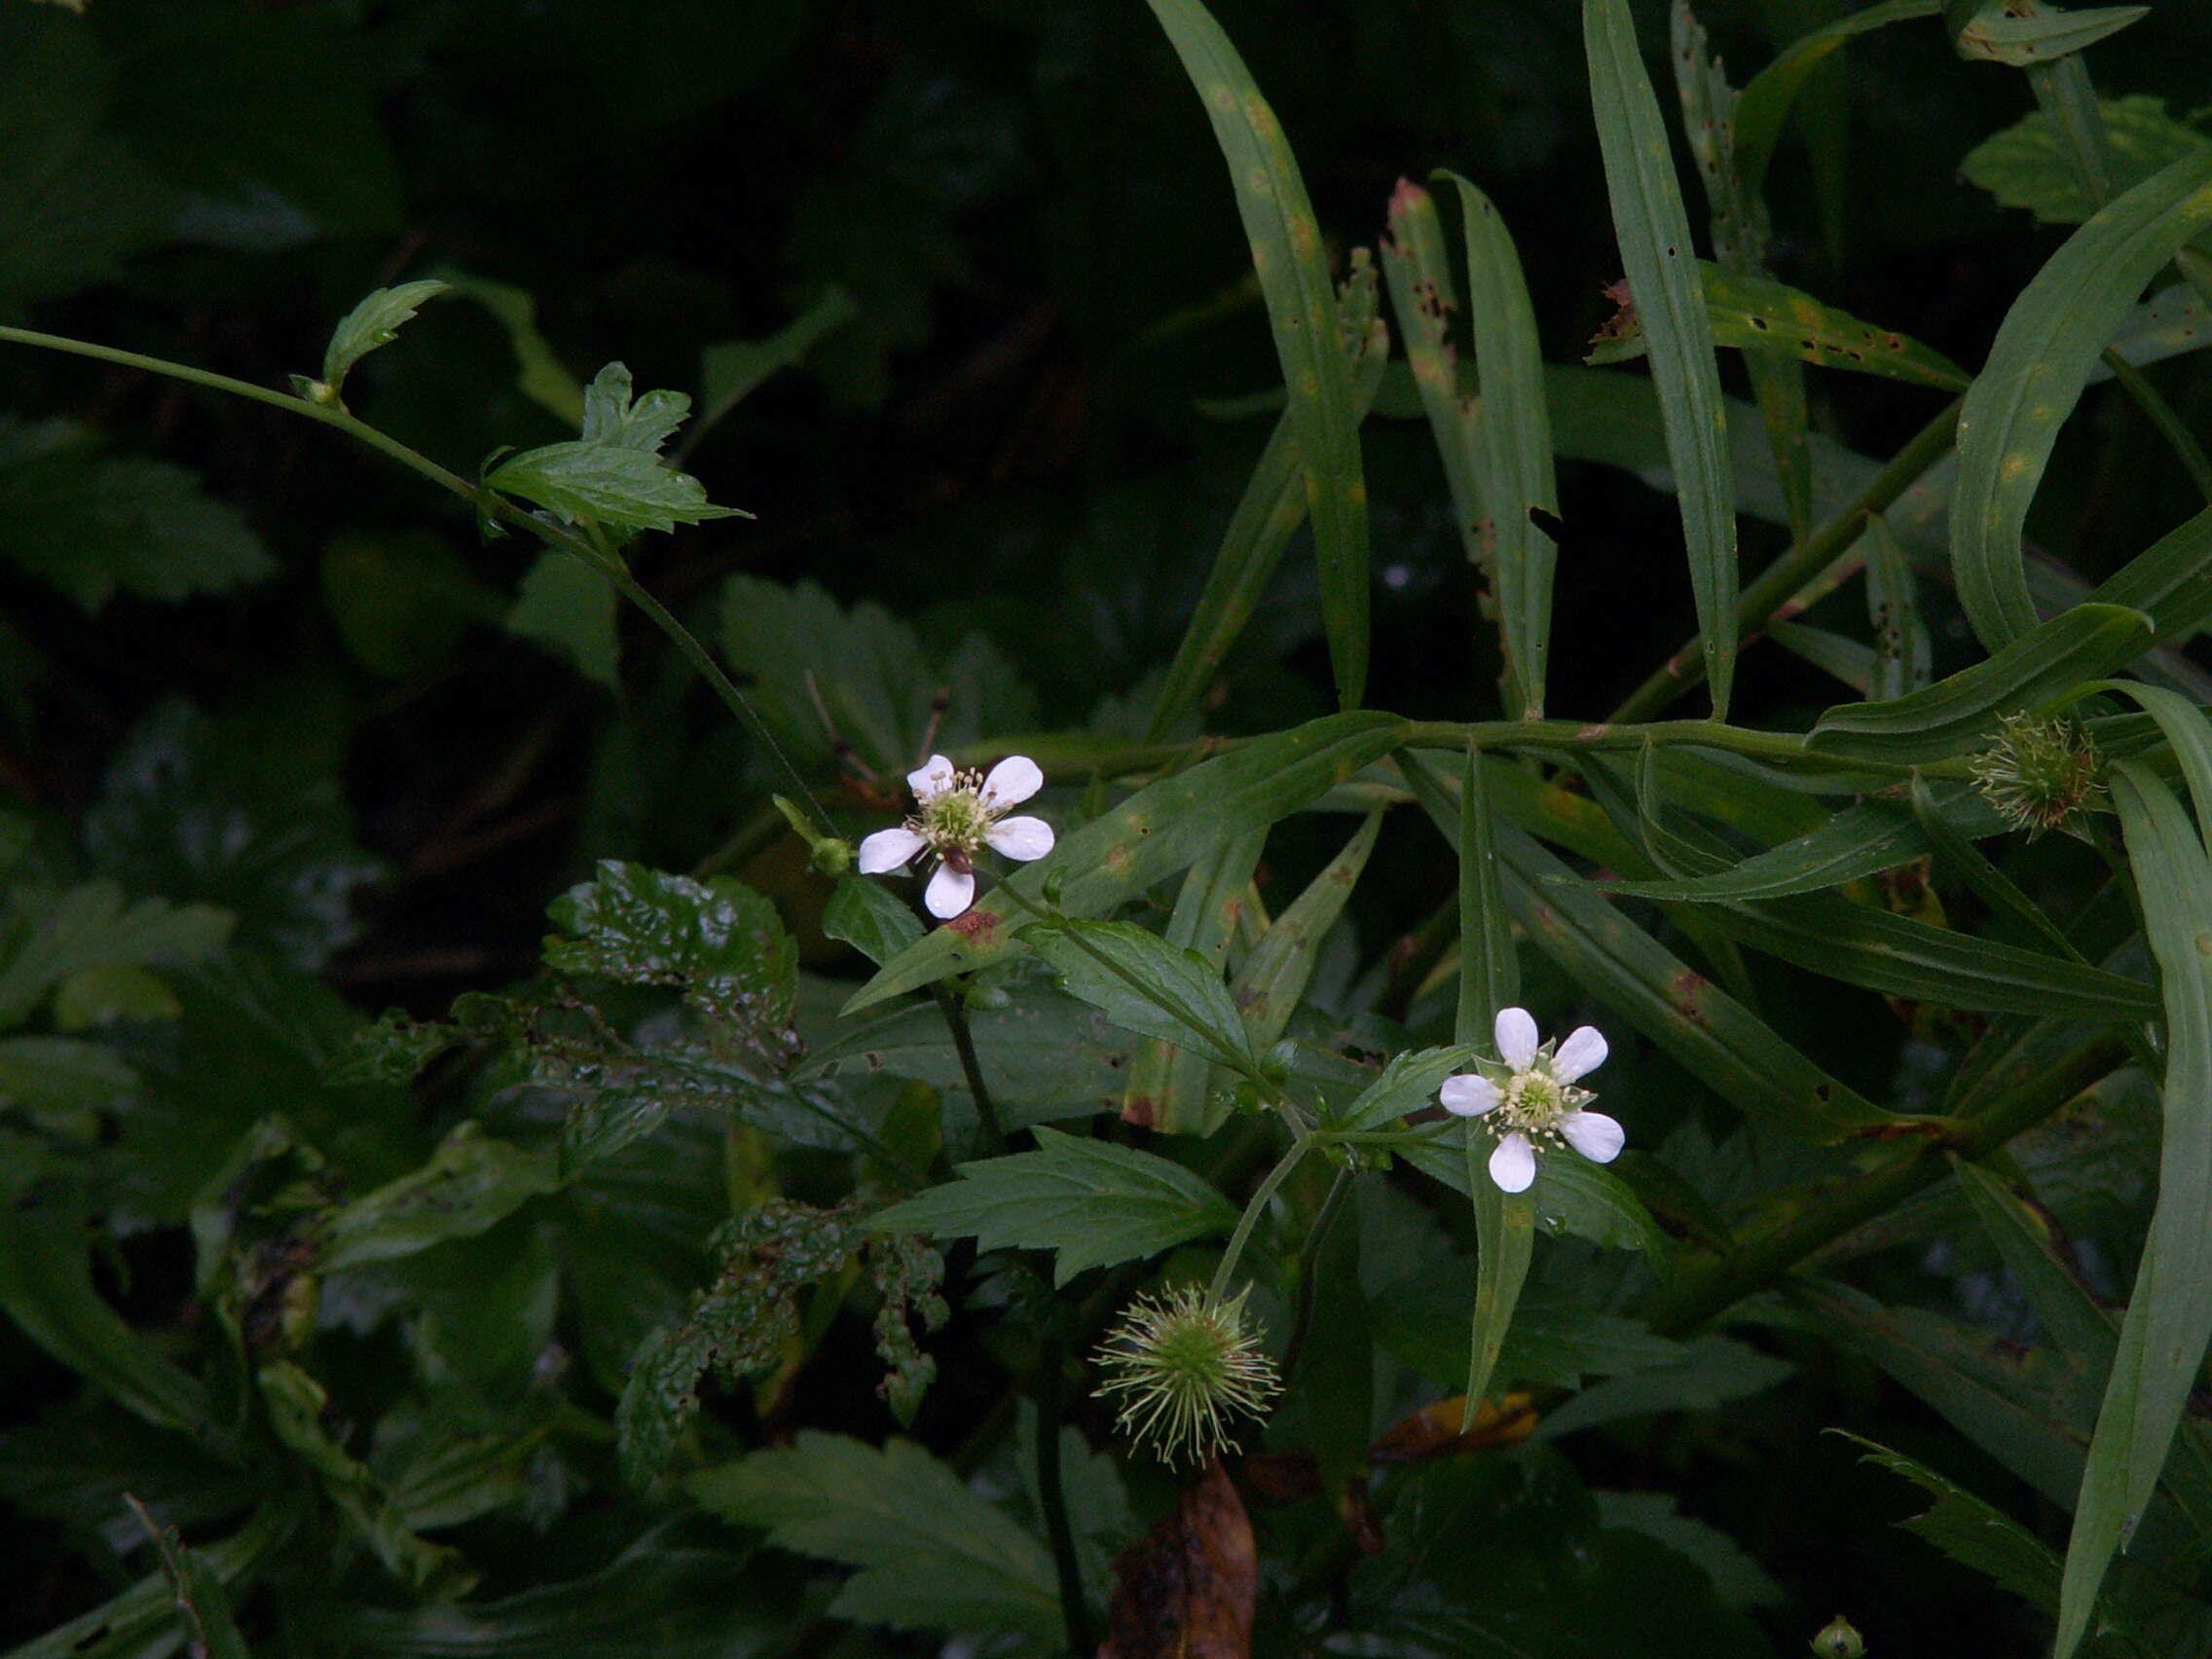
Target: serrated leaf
(1144,984)
(1972,1532)
(932,1554)
(1574,1196)
(613,474)
(2026,165)
(1655,235)
(46,937)
(1093,1201)
(2036,673)
(1168,1087)
(374,322)
(2037,367)
(197,1589)
(1160,832)
(1292,264)
(93,526)
(1274,976)
(1408,1084)
(539,375)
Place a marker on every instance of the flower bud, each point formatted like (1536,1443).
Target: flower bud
(829,854)
(1838,1640)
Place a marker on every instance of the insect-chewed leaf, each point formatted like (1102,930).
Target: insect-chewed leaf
(1998,32)
(1094,1202)
(469,1185)
(720,944)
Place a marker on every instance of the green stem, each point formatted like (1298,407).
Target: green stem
(1219,1291)
(1303,1320)
(1805,560)
(955,1011)
(1053,1498)
(1782,746)
(1709,1286)
(486,502)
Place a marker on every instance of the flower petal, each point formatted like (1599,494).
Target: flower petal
(887,849)
(1515,1035)
(1581,1053)
(1021,837)
(1596,1136)
(1513,1166)
(1468,1096)
(1013,781)
(950,891)
(930,779)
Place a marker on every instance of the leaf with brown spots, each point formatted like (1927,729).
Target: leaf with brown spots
(1188,1590)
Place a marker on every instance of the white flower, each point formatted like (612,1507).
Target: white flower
(1534,1097)
(961,813)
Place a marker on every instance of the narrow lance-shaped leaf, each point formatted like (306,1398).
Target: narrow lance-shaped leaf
(2168,1321)
(1904,652)
(1293,270)
(2042,357)
(1094,1202)
(1281,965)
(1268,514)
(1514,436)
(1999,33)
(1167,1084)
(1655,235)
(1160,832)
(1710,1035)
(1768,96)
(1489,966)
(2033,673)
(1762,317)
(1738,220)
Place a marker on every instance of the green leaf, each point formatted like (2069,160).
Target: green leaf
(1655,235)
(402,601)
(112,991)
(1293,270)
(1277,973)
(1974,1534)
(1506,1237)
(865,916)
(1094,1202)
(1878,833)
(2037,367)
(92,526)
(1160,832)
(2037,672)
(1756,313)
(76,200)
(1408,1084)
(569,608)
(469,1185)
(868,673)
(46,937)
(1768,95)
(1167,1089)
(2024,1237)
(197,1589)
(1903,651)
(1144,984)
(728,372)
(719,943)
(46,1287)
(539,375)
(612,475)
(375,322)
(1715,1039)
(2168,1323)
(1489,966)
(296,1406)
(2000,35)
(2026,165)
(1574,1196)
(932,1555)
(49,1076)
(1709,1373)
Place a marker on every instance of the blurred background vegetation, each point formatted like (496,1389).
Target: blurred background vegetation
(244,663)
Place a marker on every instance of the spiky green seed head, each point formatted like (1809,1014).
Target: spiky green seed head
(1182,1365)
(2040,775)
